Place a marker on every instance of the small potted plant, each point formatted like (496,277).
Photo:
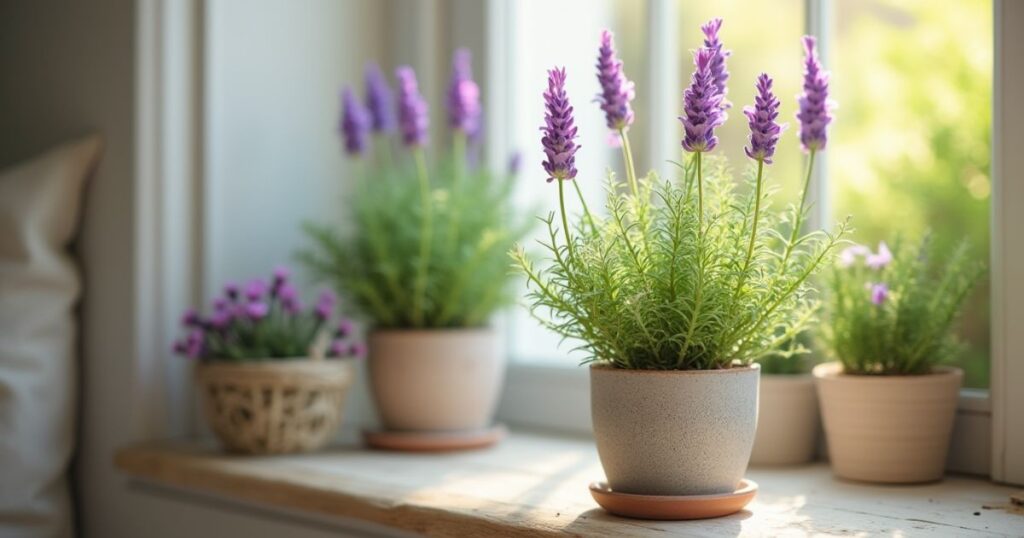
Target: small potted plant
(272,376)
(889,401)
(684,283)
(423,259)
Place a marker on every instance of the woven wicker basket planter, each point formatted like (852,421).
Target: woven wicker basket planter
(274,407)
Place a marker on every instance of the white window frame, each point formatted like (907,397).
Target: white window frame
(988,437)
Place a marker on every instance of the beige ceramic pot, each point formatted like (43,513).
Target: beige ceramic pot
(275,406)
(677,432)
(787,420)
(436,380)
(893,429)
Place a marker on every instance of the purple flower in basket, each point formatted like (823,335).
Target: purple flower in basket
(559,130)
(255,289)
(325,305)
(616,90)
(879,293)
(815,106)
(378,99)
(719,74)
(701,106)
(190,318)
(357,350)
(355,123)
(764,131)
(194,344)
(344,329)
(257,310)
(463,95)
(412,109)
(880,259)
(221,319)
(336,349)
(231,291)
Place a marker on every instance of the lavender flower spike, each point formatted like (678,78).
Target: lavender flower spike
(879,293)
(764,131)
(378,100)
(355,123)
(463,95)
(559,129)
(616,90)
(412,109)
(701,106)
(719,74)
(815,106)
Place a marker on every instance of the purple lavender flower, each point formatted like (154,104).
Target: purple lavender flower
(879,293)
(287,292)
(880,259)
(280,279)
(221,319)
(463,95)
(378,100)
(764,131)
(701,106)
(325,305)
(190,318)
(194,344)
(257,310)
(357,350)
(292,305)
(255,289)
(719,74)
(412,109)
(355,123)
(220,304)
(616,90)
(815,106)
(231,290)
(849,255)
(559,130)
(344,329)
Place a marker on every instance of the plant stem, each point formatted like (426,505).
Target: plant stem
(798,221)
(565,220)
(700,192)
(627,154)
(425,238)
(586,210)
(459,154)
(753,231)
(384,152)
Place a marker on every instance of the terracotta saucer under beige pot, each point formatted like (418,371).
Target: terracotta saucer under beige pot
(437,381)
(676,432)
(274,406)
(890,429)
(787,420)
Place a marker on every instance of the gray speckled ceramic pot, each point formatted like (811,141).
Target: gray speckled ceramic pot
(680,432)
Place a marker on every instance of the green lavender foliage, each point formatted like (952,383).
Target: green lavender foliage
(656,285)
(377,263)
(910,332)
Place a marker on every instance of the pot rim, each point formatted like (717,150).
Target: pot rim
(788,378)
(833,370)
(287,363)
(753,367)
(448,331)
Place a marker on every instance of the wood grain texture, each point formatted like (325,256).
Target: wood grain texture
(534,485)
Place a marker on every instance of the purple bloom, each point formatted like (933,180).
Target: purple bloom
(287,292)
(231,291)
(190,318)
(559,130)
(355,123)
(701,106)
(280,279)
(849,255)
(220,304)
(325,305)
(815,106)
(463,95)
(764,131)
(255,289)
(337,348)
(412,109)
(292,305)
(221,319)
(616,90)
(879,293)
(357,350)
(880,259)
(344,328)
(257,310)
(378,99)
(194,344)
(719,74)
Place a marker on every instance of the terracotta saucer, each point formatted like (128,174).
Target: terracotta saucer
(673,507)
(409,441)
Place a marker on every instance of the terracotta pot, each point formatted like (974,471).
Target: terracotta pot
(275,406)
(787,420)
(676,432)
(436,380)
(892,429)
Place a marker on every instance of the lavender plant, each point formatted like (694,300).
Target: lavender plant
(681,274)
(891,311)
(263,321)
(426,244)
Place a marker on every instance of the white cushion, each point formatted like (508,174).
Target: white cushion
(39,288)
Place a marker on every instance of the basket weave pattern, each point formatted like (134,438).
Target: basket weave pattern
(274,407)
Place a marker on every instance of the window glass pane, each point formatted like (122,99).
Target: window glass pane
(911,140)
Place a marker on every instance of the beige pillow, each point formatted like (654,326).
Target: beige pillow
(39,287)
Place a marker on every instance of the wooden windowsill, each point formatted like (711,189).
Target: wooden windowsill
(535,484)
